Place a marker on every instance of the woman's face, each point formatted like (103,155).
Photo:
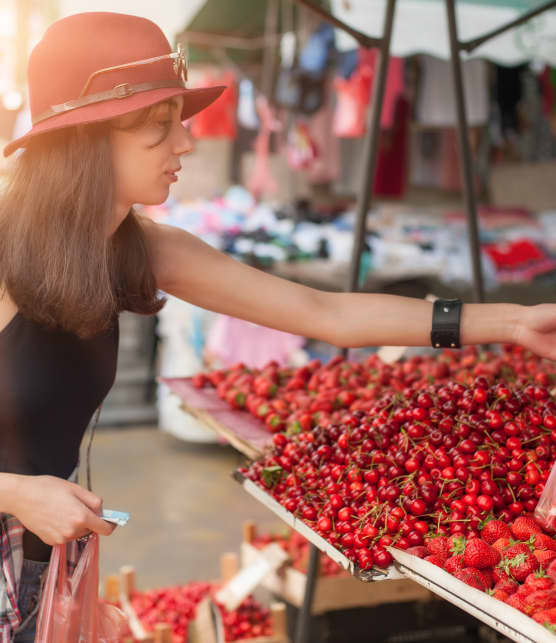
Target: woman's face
(146,158)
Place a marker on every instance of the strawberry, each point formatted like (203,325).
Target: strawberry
(501,544)
(546,617)
(454,563)
(500,575)
(486,575)
(543,599)
(480,555)
(500,594)
(507,585)
(471,577)
(520,566)
(544,556)
(435,560)
(494,530)
(438,545)
(524,527)
(518,548)
(542,541)
(418,551)
(538,580)
(516,601)
(456,545)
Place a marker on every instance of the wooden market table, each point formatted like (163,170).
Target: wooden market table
(249,436)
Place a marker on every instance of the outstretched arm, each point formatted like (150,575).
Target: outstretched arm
(188,268)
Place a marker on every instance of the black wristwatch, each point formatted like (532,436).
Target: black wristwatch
(446,314)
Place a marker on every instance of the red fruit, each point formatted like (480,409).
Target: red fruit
(518,548)
(494,530)
(546,617)
(438,546)
(501,544)
(543,599)
(542,541)
(507,585)
(480,555)
(538,580)
(520,566)
(487,577)
(454,563)
(435,560)
(382,557)
(471,577)
(418,551)
(523,528)
(544,556)
(500,594)
(516,601)
(199,380)
(551,571)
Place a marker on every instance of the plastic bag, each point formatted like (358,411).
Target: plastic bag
(70,610)
(545,511)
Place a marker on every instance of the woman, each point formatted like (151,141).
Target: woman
(108,98)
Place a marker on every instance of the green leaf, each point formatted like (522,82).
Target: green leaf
(293,429)
(271,475)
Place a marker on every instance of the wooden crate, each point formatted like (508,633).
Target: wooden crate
(119,588)
(331,592)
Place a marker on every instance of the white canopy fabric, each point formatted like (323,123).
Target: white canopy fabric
(420,26)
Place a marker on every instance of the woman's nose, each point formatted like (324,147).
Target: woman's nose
(183,143)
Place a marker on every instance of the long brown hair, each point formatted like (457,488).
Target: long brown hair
(56,261)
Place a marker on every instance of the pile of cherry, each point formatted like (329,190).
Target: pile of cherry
(297,548)
(371,455)
(176,606)
(515,563)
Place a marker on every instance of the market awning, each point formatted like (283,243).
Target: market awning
(420,26)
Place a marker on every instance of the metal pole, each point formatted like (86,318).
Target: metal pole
(476,42)
(303,625)
(371,148)
(465,156)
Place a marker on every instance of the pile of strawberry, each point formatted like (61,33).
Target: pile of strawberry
(177,606)
(514,563)
(292,400)
(297,547)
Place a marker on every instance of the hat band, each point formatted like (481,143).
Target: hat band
(120,91)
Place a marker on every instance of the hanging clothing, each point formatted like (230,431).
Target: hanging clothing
(218,120)
(391,169)
(436,105)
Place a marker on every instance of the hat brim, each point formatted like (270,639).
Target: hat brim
(194,101)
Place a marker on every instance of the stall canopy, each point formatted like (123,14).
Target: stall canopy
(421,27)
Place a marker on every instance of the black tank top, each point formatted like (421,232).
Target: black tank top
(51,383)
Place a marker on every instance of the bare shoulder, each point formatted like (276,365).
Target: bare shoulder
(8,308)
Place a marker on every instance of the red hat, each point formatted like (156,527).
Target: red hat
(96,66)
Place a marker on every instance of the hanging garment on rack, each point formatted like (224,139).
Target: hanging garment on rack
(219,119)
(391,169)
(508,92)
(354,93)
(436,105)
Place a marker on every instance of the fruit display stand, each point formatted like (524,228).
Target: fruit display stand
(239,428)
(496,614)
(335,592)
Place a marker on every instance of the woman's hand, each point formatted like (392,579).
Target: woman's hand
(536,329)
(56,510)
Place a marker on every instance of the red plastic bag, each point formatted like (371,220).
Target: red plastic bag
(70,610)
(545,512)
